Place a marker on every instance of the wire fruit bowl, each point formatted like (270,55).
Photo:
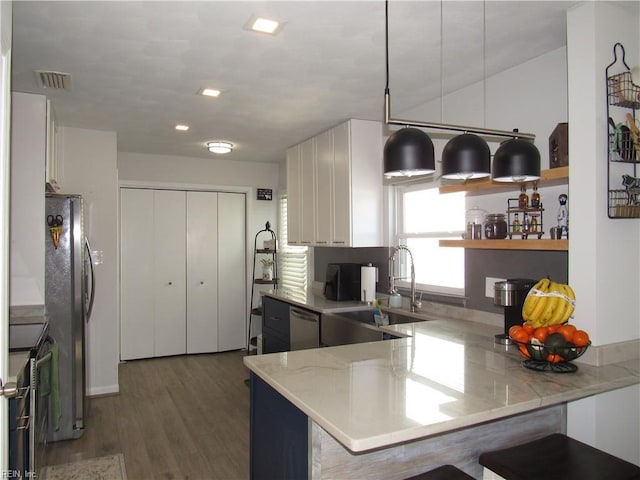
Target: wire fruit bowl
(550,358)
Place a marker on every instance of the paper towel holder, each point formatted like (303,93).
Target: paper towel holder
(368,280)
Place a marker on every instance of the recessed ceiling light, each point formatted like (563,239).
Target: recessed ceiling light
(182,128)
(263,25)
(209,92)
(219,147)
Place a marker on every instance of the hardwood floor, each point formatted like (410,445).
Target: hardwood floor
(183,417)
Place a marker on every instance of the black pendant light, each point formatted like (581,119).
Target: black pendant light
(409,152)
(466,157)
(516,160)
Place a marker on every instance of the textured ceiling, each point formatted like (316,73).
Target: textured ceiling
(136,66)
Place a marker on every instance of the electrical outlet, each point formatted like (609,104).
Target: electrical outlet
(489,285)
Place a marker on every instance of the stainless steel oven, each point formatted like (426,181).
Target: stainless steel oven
(31,405)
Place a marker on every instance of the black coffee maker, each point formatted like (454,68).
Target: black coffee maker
(511,294)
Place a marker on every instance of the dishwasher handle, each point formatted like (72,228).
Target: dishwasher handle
(304,315)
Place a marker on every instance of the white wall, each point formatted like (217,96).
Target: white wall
(89,160)
(604,254)
(163,169)
(531,97)
(28,146)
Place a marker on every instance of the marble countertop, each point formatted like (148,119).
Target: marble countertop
(447,374)
(313,299)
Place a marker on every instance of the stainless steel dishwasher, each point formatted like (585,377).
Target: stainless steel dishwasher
(304,329)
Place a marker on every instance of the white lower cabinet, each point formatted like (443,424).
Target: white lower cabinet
(182,272)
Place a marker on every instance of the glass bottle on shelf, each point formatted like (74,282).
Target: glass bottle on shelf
(535,196)
(523,198)
(525,223)
(517,225)
(534,223)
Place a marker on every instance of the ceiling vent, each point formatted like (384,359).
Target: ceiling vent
(53,80)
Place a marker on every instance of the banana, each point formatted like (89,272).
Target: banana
(542,304)
(532,300)
(551,306)
(568,291)
(559,314)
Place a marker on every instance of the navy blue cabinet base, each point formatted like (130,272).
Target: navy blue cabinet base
(279,435)
(275,326)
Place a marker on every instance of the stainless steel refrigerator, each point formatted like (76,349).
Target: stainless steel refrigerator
(69,293)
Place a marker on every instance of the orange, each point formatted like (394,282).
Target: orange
(514,329)
(580,338)
(541,333)
(567,331)
(553,329)
(528,328)
(521,336)
(524,351)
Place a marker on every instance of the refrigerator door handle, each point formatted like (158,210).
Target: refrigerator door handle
(93,279)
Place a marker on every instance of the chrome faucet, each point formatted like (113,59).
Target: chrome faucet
(415,304)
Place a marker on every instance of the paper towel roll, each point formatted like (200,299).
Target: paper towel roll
(368,279)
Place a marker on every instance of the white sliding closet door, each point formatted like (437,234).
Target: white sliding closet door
(202,272)
(169,215)
(137,322)
(232,269)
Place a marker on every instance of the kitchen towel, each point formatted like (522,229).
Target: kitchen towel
(368,279)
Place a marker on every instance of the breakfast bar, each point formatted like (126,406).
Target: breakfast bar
(441,394)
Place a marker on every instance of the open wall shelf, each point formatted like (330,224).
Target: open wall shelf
(514,244)
(550,177)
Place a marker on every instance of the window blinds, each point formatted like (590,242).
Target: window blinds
(293,260)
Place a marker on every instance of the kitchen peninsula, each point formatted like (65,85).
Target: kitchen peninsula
(392,409)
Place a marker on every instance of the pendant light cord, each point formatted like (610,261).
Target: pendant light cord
(484,63)
(386,42)
(441,62)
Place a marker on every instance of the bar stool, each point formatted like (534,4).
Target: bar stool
(557,457)
(445,472)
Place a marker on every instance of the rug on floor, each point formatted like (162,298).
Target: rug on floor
(110,467)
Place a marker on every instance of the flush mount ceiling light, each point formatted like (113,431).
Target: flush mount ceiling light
(412,165)
(209,92)
(263,25)
(219,147)
(182,128)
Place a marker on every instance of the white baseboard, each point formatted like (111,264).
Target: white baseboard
(106,390)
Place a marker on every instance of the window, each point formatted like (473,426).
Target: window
(423,218)
(293,260)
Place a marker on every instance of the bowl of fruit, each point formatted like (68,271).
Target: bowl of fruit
(546,340)
(550,349)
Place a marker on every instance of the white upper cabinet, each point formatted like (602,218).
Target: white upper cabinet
(324,188)
(293,195)
(342,196)
(307,187)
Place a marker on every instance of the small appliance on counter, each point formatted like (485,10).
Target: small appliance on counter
(343,282)
(511,294)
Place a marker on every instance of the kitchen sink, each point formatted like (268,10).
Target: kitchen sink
(366,316)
